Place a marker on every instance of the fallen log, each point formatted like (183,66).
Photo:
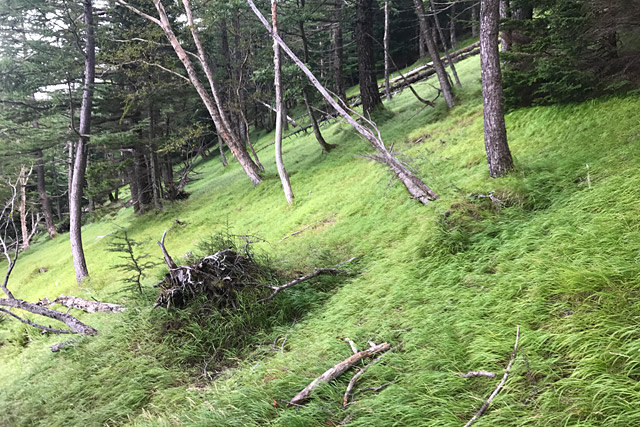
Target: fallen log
(337,370)
(83,304)
(76,326)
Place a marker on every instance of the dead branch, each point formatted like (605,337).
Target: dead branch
(500,384)
(167,258)
(351,344)
(83,304)
(472,374)
(317,272)
(57,347)
(354,379)
(77,327)
(337,370)
(289,119)
(294,233)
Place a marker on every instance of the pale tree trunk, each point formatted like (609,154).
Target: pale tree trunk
(153,162)
(80,163)
(443,77)
(387,86)
(42,190)
(416,188)
(452,27)
(444,43)
(238,148)
(474,20)
(284,176)
(495,132)
(213,107)
(338,60)
(421,43)
(22,207)
(505,36)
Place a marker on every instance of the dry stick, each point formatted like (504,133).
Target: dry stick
(336,371)
(57,347)
(167,258)
(471,374)
(354,379)
(351,344)
(499,387)
(317,272)
(294,233)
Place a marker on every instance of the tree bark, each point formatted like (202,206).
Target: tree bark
(474,20)
(22,207)
(366,59)
(42,194)
(495,133)
(452,26)
(338,46)
(443,77)
(416,188)
(385,42)
(80,163)
(444,43)
(505,35)
(284,176)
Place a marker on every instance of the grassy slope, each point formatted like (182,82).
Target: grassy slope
(561,261)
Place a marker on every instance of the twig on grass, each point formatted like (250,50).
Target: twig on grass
(500,384)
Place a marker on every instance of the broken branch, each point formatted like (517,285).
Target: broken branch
(337,370)
(472,374)
(317,272)
(354,379)
(500,384)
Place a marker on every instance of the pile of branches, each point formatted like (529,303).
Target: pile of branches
(219,278)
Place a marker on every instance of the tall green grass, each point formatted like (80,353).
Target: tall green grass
(445,284)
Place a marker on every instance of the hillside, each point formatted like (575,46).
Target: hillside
(446,285)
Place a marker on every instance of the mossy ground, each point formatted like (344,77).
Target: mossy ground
(445,284)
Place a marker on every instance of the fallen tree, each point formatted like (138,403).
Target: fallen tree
(10,244)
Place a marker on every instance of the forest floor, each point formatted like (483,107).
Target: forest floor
(445,284)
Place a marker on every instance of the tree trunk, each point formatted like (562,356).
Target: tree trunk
(444,43)
(418,189)
(443,77)
(314,124)
(338,48)
(421,44)
(22,208)
(387,86)
(366,59)
(312,118)
(284,176)
(167,177)
(153,162)
(80,163)
(474,20)
(42,194)
(505,35)
(452,26)
(213,107)
(495,133)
